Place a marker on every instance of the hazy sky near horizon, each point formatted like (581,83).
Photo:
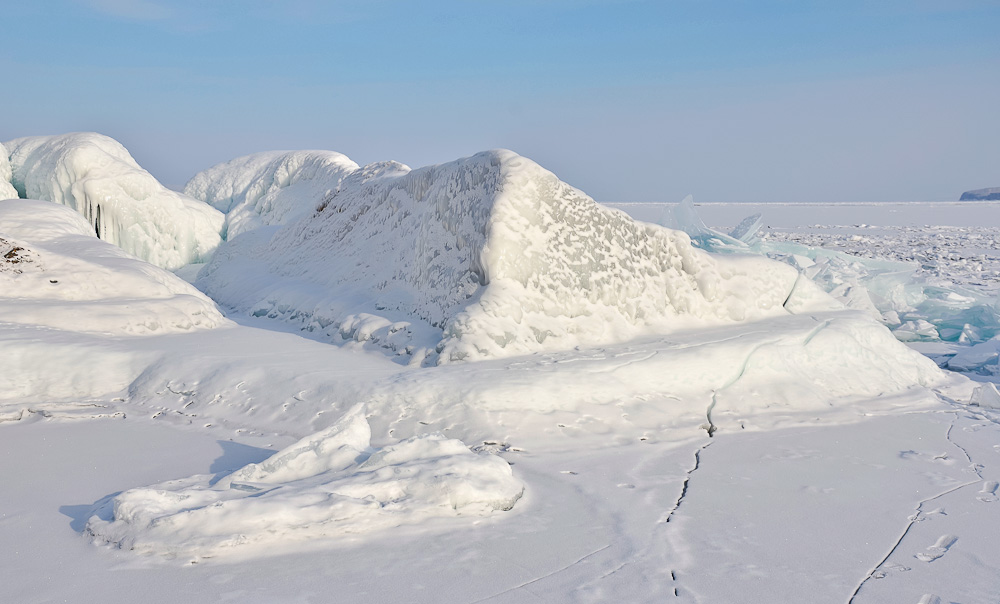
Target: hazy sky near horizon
(628,100)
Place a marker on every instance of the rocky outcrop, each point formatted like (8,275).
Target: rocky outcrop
(982,195)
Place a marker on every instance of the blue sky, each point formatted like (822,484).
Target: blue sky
(732,100)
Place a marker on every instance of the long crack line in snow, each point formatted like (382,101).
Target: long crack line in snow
(975,467)
(546,576)
(711,429)
(920,510)
(687,480)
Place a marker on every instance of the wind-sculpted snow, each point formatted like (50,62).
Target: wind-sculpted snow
(96,176)
(484,257)
(269,188)
(331,484)
(7,190)
(65,278)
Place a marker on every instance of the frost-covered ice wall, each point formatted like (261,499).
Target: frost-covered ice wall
(7,190)
(269,188)
(96,176)
(483,257)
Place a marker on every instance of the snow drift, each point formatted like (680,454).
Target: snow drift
(69,300)
(269,188)
(330,484)
(483,257)
(96,176)
(66,278)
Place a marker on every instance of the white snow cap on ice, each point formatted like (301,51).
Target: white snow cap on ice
(55,273)
(487,256)
(269,188)
(329,484)
(96,176)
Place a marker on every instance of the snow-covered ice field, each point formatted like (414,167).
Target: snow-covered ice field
(470,383)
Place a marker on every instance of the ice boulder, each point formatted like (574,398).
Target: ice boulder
(96,176)
(329,485)
(55,273)
(485,257)
(269,188)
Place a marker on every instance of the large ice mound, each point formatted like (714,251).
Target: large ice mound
(269,188)
(330,484)
(96,176)
(55,273)
(486,256)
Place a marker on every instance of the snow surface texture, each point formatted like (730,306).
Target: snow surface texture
(269,188)
(58,281)
(96,176)
(7,190)
(326,485)
(484,257)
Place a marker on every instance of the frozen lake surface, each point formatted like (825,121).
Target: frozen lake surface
(755,440)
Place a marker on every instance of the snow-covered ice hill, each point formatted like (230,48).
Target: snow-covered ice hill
(485,257)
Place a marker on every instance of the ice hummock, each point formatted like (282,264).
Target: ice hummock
(327,485)
(126,205)
(7,190)
(485,257)
(269,188)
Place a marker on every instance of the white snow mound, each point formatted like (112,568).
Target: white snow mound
(269,188)
(126,205)
(485,257)
(55,273)
(329,484)
(7,190)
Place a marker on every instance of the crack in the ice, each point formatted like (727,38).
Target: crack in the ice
(711,427)
(687,480)
(815,331)
(546,576)
(920,510)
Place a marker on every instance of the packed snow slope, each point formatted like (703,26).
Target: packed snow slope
(484,257)
(65,296)
(269,188)
(96,176)
(7,190)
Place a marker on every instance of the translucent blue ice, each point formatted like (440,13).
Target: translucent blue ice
(915,310)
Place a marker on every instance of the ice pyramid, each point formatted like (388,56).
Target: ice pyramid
(485,257)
